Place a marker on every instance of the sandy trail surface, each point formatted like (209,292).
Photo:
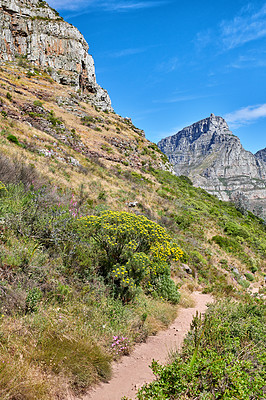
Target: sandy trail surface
(133,371)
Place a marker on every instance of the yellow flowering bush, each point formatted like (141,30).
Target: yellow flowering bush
(133,250)
(2,186)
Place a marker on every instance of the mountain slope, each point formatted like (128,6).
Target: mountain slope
(30,29)
(215,160)
(64,165)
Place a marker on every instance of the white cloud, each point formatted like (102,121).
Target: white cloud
(246,115)
(69,4)
(116,6)
(128,52)
(245,27)
(252,58)
(129,5)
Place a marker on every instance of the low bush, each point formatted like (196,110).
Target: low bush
(13,139)
(166,288)
(249,277)
(233,229)
(9,96)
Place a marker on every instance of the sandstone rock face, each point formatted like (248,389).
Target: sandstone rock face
(215,160)
(33,30)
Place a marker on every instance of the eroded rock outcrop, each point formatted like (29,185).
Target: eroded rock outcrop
(32,29)
(215,160)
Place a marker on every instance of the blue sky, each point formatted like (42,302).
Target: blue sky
(169,63)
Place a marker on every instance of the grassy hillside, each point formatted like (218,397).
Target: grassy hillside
(98,241)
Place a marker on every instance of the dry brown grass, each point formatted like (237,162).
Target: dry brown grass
(29,90)
(186,299)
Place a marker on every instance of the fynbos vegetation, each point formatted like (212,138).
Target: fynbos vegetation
(223,357)
(97,246)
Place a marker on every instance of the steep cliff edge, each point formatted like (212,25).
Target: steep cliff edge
(215,160)
(31,29)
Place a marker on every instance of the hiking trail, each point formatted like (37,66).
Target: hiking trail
(132,371)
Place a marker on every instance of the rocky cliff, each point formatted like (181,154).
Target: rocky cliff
(261,155)
(215,160)
(31,29)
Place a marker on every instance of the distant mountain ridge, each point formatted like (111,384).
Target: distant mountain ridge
(261,155)
(215,160)
(31,29)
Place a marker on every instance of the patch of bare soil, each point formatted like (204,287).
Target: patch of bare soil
(133,371)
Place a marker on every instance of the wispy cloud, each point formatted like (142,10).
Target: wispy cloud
(249,25)
(246,115)
(248,62)
(203,39)
(70,4)
(168,66)
(129,5)
(115,6)
(127,52)
(179,98)
(253,58)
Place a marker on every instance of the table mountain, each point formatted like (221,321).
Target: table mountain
(215,160)
(32,30)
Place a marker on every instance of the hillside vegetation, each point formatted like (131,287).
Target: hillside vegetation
(99,241)
(223,357)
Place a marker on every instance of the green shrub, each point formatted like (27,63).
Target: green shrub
(164,194)
(88,120)
(38,103)
(184,220)
(186,179)
(13,139)
(30,74)
(166,288)
(9,96)
(254,269)
(33,298)
(53,119)
(102,196)
(249,277)
(245,284)
(132,249)
(2,187)
(227,244)
(233,229)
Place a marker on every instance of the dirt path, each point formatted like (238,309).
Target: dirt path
(133,371)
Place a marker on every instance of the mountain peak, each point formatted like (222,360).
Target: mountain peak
(215,160)
(212,123)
